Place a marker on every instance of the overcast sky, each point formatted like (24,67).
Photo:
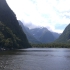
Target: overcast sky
(53,14)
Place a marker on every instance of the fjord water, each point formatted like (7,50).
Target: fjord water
(35,59)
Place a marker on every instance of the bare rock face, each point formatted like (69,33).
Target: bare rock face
(8,18)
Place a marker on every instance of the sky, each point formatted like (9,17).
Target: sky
(53,14)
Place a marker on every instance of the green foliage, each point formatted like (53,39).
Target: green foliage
(51,45)
(8,39)
(1,36)
(65,36)
(11,33)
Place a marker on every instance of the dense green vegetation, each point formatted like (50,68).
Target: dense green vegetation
(11,34)
(51,45)
(65,36)
(8,39)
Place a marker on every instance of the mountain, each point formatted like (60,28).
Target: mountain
(37,32)
(26,30)
(47,37)
(65,36)
(43,34)
(8,19)
(56,35)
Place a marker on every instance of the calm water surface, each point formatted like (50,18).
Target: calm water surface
(36,59)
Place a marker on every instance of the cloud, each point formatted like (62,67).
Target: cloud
(29,25)
(48,13)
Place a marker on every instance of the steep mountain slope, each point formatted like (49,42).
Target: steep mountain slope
(40,34)
(56,35)
(30,37)
(43,35)
(37,32)
(8,40)
(8,18)
(47,37)
(65,36)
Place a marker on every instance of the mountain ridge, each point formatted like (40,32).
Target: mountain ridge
(30,37)
(8,18)
(42,34)
(65,36)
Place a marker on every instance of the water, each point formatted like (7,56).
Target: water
(36,59)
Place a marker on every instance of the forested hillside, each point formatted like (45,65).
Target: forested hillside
(11,27)
(65,36)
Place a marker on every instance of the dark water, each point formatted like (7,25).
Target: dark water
(35,59)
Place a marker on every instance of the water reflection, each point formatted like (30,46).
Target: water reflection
(35,59)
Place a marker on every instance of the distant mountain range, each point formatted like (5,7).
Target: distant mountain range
(39,35)
(26,30)
(44,35)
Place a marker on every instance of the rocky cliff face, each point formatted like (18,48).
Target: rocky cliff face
(8,18)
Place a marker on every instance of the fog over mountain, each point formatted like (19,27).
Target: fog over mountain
(39,34)
(30,37)
(30,25)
